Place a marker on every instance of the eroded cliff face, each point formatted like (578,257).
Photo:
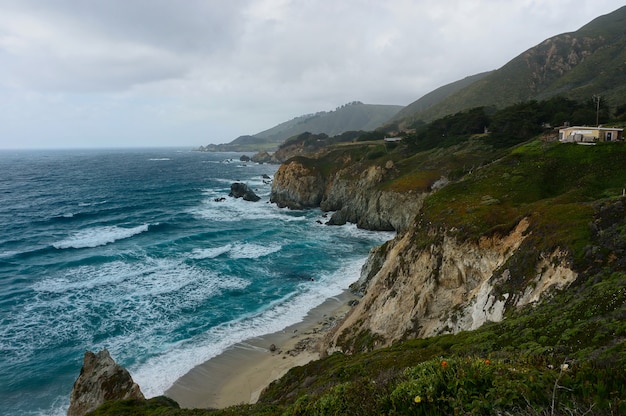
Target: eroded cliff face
(426,282)
(352,193)
(297,185)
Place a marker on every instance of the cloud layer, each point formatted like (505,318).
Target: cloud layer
(165,72)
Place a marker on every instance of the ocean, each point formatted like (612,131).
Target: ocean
(143,252)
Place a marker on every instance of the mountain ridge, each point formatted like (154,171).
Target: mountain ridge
(352,116)
(566,64)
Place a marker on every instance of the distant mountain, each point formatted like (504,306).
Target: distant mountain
(590,61)
(348,117)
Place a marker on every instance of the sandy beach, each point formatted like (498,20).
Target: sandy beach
(240,374)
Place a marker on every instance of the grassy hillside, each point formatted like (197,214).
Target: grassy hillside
(563,356)
(438,95)
(590,61)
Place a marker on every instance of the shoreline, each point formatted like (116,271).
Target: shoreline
(239,374)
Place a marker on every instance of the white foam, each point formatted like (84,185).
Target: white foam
(88,204)
(8,253)
(159,158)
(159,373)
(210,253)
(236,209)
(143,299)
(252,251)
(99,236)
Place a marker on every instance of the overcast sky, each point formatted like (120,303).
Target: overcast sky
(110,73)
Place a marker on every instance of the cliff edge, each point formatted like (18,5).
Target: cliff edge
(101,379)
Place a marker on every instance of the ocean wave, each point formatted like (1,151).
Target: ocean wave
(236,251)
(160,372)
(89,204)
(252,251)
(222,208)
(210,253)
(99,236)
(159,159)
(144,302)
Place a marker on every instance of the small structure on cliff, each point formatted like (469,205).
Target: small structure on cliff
(101,379)
(579,134)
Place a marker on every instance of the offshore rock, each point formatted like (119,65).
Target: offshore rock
(101,379)
(241,190)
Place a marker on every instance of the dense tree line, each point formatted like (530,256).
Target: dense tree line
(511,125)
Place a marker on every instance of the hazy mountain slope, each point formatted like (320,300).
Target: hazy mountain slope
(590,61)
(438,95)
(352,116)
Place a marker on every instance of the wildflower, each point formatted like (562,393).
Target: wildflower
(444,363)
(418,399)
(487,361)
(564,367)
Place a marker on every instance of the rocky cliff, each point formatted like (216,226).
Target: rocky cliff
(353,193)
(101,379)
(426,282)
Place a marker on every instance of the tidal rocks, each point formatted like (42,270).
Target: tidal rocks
(241,190)
(101,379)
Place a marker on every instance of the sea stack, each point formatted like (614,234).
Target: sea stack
(241,190)
(101,379)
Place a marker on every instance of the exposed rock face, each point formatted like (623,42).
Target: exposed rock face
(241,190)
(101,379)
(361,203)
(297,185)
(443,286)
(300,185)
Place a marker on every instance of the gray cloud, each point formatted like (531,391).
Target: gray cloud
(209,70)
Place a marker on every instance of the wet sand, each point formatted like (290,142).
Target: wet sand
(240,374)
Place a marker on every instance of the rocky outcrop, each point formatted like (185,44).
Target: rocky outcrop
(265,157)
(241,190)
(299,184)
(361,203)
(426,282)
(101,379)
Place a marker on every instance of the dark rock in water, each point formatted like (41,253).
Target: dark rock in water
(101,379)
(220,199)
(244,158)
(266,176)
(338,218)
(241,190)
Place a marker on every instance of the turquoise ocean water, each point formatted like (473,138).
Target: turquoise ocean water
(133,250)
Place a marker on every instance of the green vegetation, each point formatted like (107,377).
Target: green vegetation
(578,65)
(563,356)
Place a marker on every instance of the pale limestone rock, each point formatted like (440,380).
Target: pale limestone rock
(445,287)
(101,379)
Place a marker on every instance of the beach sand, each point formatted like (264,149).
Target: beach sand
(240,374)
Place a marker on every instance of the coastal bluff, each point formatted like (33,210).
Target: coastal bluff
(101,379)
(353,194)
